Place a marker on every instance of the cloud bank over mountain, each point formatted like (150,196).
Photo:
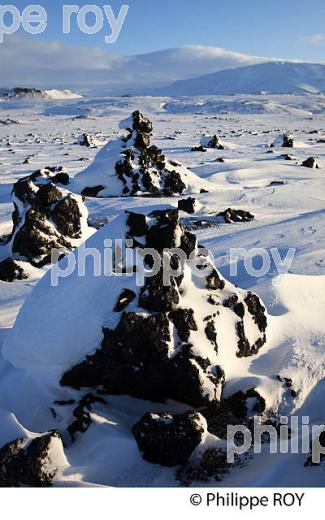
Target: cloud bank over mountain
(35,63)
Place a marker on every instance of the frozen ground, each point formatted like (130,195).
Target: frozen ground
(289,214)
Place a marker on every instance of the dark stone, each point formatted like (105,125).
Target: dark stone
(124,300)
(168,439)
(211,334)
(86,140)
(310,163)
(134,360)
(66,216)
(235,215)
(11,271)
(198,149)
(214,143)
(162,234)
(187,205)
(211,464)
(157,297)
(287,157)
(92,191)
(183,319)
(82,416)
(277,183)
(61,178)
(188,243)
(173,184)
(213,281)
(26,465)
(137,225)
(256,309)
(288,141)
(45,218)
(237,403)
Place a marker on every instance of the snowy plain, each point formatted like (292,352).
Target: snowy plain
(287,200)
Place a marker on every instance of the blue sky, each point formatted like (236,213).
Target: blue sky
(284,28)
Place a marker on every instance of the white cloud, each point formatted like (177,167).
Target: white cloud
(314,39)
(26,61)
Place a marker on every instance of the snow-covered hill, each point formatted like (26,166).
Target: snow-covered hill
(36,94)
(278,77)
(98,71)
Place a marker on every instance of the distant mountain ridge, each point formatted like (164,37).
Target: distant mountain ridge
(24,92)
(274,77)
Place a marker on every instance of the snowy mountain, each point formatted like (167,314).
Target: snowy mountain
(102,72)
(277,77)
(36,94)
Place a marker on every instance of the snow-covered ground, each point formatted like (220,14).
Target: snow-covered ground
(287,200)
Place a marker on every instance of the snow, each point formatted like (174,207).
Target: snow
(274,77)
(63,325)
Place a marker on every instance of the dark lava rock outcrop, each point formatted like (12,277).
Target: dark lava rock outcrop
(132,166)
(235,215)
(11,271)
(168,439)
(311,162)
(45,216)
(164,346)
(29,462)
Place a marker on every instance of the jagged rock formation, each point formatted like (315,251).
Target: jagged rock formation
(173,362)
(132,166)
(311,163)
(30,462)
(46,216)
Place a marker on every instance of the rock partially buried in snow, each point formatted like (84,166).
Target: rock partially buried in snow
(87,140)
(285,140)
(165,344)
(132,166)
(46,216)
(311,163)
(235,215)
(189,205)
(31,461)
(211,142)
(11,271)
(168,439)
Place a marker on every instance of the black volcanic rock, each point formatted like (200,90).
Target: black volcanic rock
(26,462)
(235,215)
(168,439)
(162,348)
(86,140)
(132,166)
(310,163)
(11,271)
(187,205)
(46,216)
(212,142)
